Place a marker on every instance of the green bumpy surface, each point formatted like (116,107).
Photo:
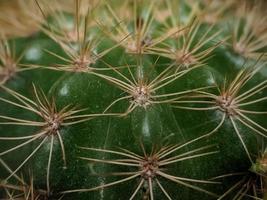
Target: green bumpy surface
(134,125)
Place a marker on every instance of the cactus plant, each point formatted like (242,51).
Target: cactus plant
(133,99)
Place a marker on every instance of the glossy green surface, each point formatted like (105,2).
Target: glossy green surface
(108,88)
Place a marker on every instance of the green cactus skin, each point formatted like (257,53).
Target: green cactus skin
(135,100)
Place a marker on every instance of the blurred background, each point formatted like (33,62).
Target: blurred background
(23,17)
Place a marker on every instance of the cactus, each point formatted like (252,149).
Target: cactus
(133,99)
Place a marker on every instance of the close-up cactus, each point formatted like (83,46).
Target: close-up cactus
(133,99)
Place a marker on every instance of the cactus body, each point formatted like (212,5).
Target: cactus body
(134,100)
